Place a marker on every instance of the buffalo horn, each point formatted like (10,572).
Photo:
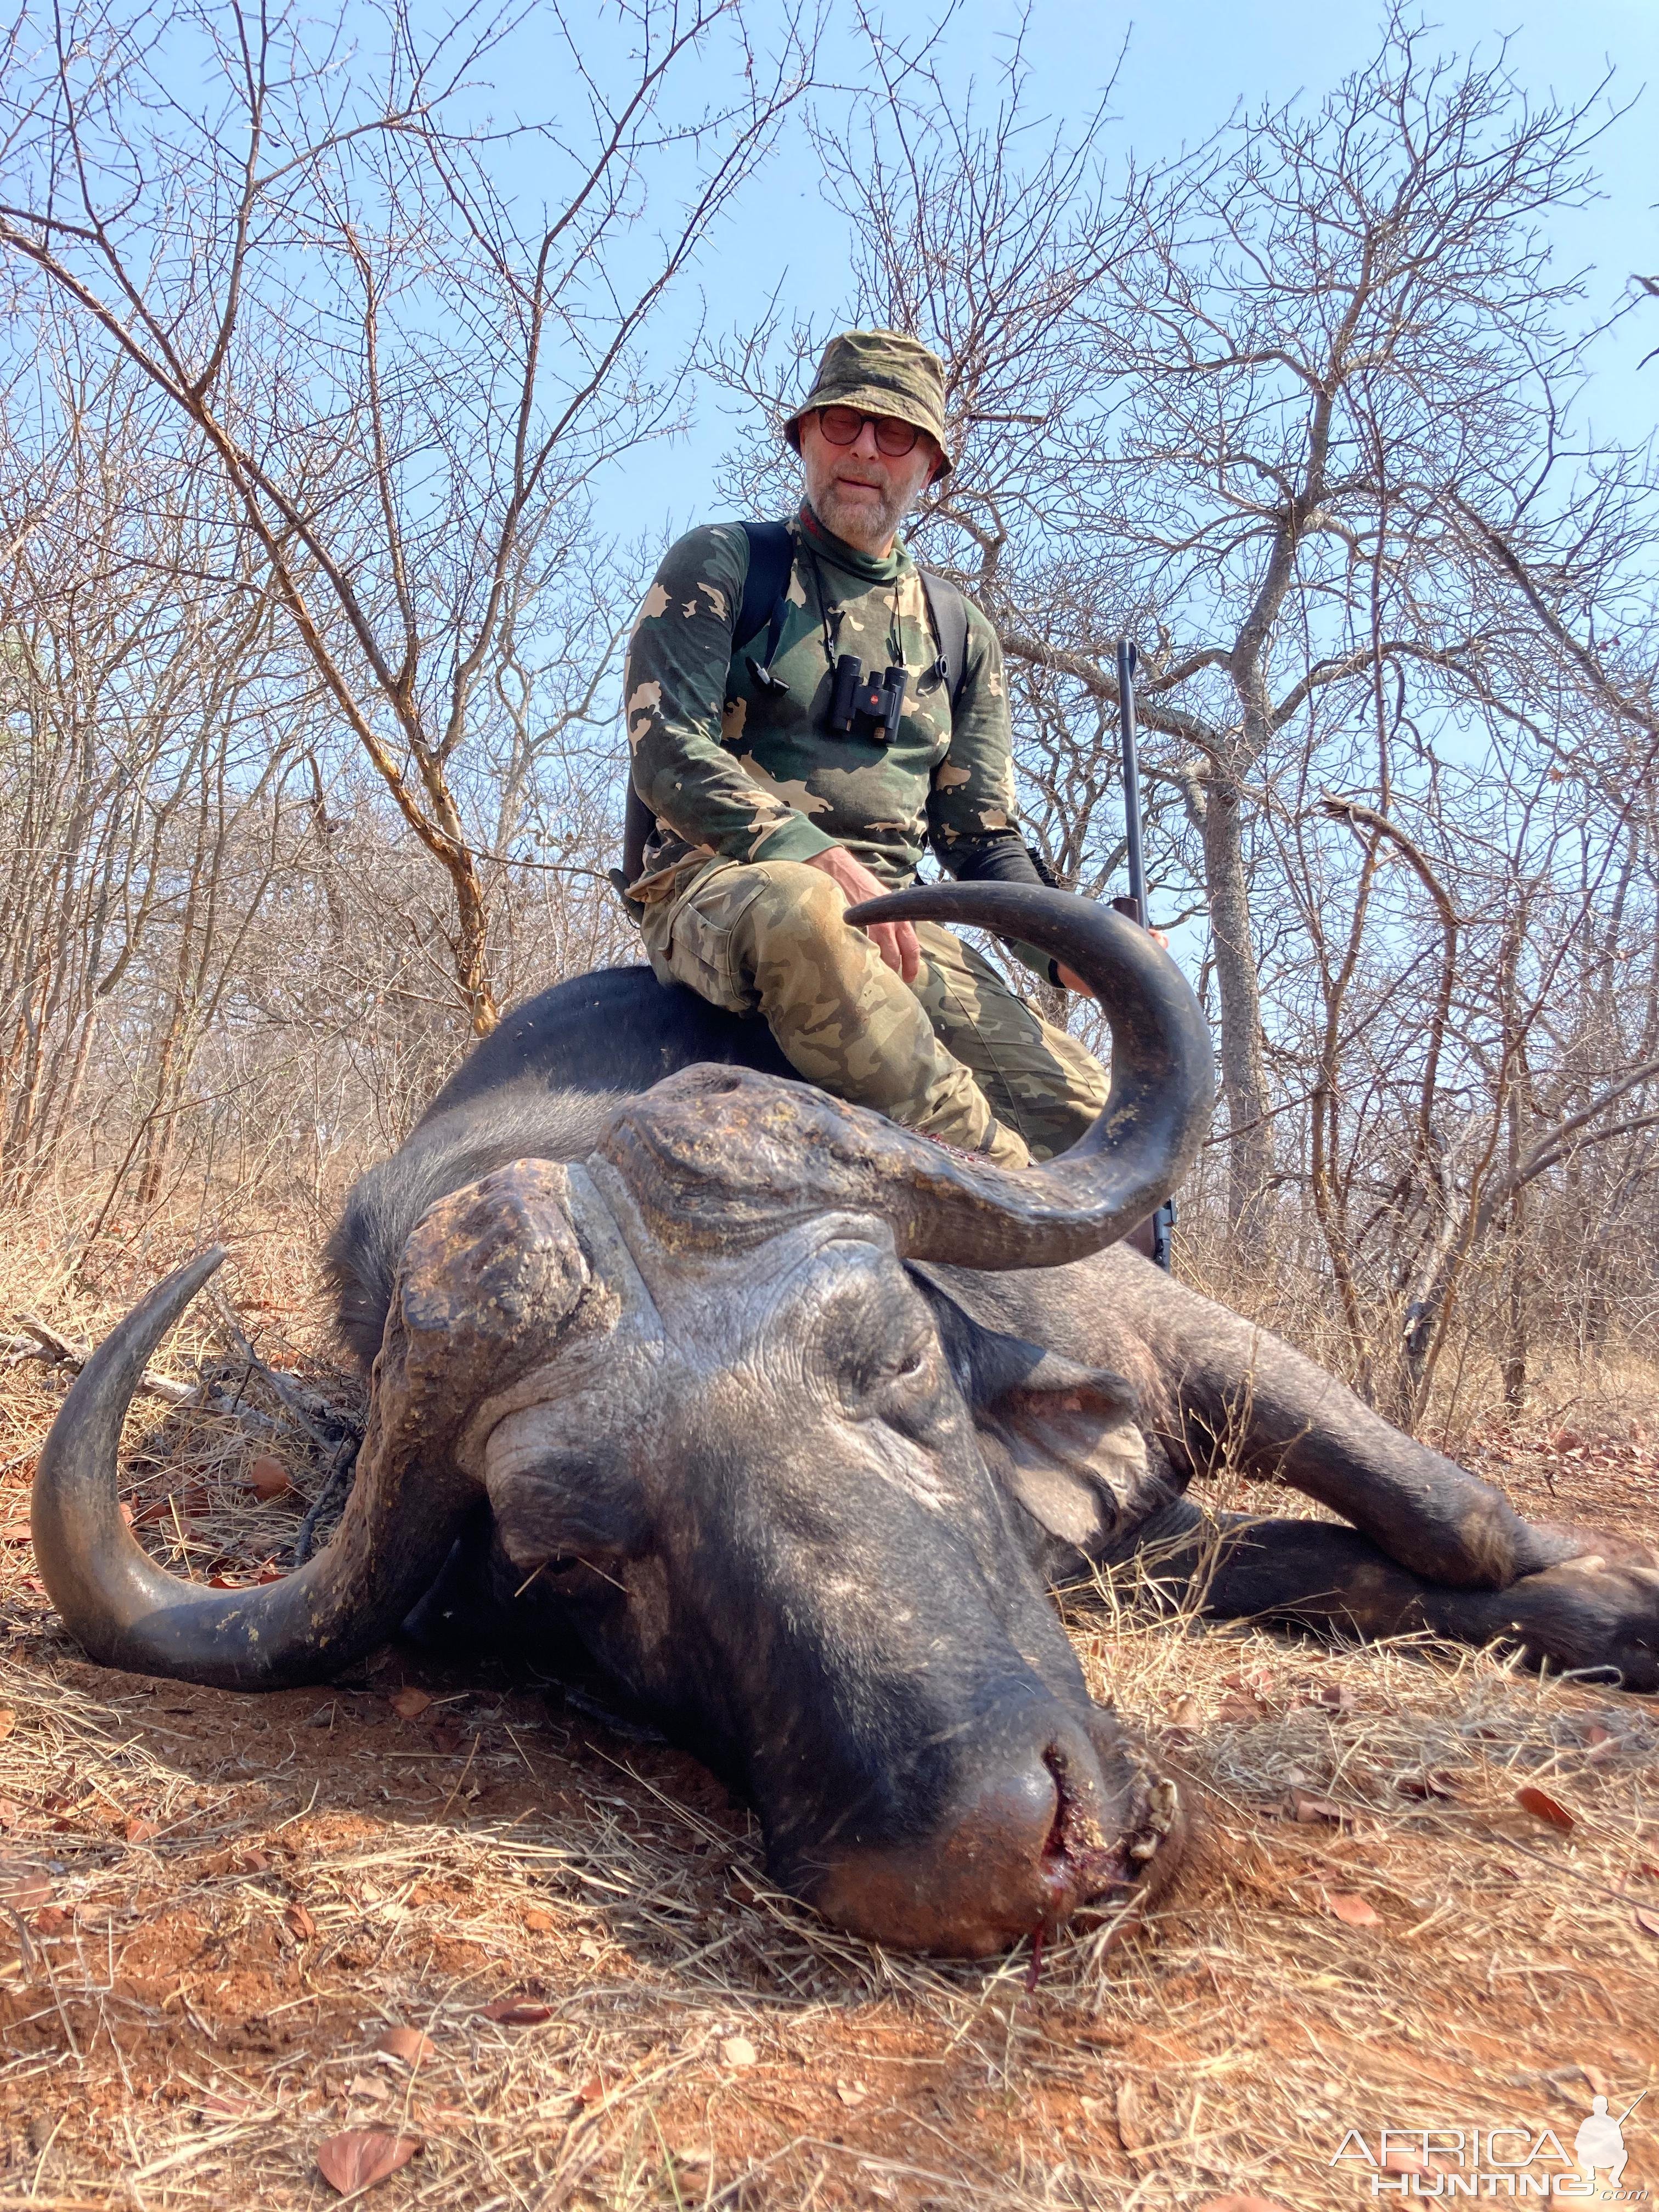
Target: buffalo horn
(770,1150)
(486,1280)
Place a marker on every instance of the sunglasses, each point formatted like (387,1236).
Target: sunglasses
(841,425)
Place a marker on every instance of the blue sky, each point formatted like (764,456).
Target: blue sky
(1188,65)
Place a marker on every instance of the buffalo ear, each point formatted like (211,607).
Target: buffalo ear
(1063,1439)
(1066,1444)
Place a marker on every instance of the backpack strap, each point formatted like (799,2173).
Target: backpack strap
(947,610)
(771,560)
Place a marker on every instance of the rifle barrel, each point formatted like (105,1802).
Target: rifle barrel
(1125,719)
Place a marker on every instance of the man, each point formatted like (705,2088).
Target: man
(770,822)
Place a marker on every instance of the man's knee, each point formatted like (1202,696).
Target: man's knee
(795,936)
(797,904)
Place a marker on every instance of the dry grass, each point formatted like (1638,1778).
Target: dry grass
(218,1905)
(1601,1388)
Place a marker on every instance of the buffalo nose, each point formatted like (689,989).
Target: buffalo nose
(1042,1817)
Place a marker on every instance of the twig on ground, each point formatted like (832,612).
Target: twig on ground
(41,1341)
(323,1423)
(337,1479)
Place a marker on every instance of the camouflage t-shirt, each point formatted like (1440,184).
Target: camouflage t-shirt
(729,766)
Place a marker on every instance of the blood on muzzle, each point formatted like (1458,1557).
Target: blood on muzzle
(1044,1822)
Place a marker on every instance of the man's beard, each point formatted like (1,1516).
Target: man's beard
(856,520)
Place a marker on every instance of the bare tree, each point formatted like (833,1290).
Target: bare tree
(302,583)
(1254,405)
(139,691)
(407,335)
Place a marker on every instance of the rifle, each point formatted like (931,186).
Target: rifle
(1134,906)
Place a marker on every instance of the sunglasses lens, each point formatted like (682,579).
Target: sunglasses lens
(841,427)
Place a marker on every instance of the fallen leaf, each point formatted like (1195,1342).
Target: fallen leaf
(250,1862)
(138,1830)
(1543,1807)
(358,2157)
(1188,1712)
(517,2012)
(1241,1709)
(410,1703)
(1647,1920)
(852,2092)
(1336,1698)
(24,1885)
(217,2101)
(446,1738)
(11,1813)
(590,2091)
(16,1531)
(407,2043)
(587,1948)
(1308,1810)
(160,1510)
(1353,1911)
(1241,2205)
(1595,1733)
(1254,1681)
(8,1721)
(49,1921)
(301,1922)
(368,2088)
(1438,1783)
(268,1479)
(739,2050)
(537,1921)
(691,2154)
(126,1512)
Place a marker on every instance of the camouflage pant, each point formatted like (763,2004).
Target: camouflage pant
(956,1055)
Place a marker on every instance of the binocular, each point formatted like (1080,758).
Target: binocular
(860,705)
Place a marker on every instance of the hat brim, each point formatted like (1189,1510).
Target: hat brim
(873,399)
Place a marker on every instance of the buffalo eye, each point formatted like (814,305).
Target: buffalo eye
(879,1369)
(873,1338)
(589,1574)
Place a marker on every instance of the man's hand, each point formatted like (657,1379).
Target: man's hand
(1071,980)
(895,941)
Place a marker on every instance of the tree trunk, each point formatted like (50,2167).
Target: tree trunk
(1244,1070)
(1514,1349)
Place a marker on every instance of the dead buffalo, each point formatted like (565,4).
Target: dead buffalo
(784,1417)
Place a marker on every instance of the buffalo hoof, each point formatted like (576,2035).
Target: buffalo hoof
(1589,1614)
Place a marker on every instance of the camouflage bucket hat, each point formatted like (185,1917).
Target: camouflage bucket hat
(880,372)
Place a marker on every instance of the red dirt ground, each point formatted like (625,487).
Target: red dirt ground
(215,1906)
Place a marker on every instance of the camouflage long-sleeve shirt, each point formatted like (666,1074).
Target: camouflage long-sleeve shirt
(730,768)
